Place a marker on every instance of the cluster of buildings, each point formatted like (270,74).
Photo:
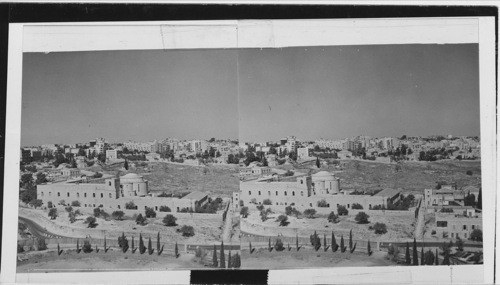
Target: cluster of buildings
(114,193)
(453,219)
(320,191)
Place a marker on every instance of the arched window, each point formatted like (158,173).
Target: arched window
(67,194)
(276,193)
(102,195)
(249,192)
(285,193)
(85,195)
(293,193)
(301,193)
(77,194)
(110,195)
(58,194)
(259,193)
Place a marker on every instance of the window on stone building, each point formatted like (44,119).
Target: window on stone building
(452,235)
(93,195)
(285,193)
(465,227)
(293,193)
(276,193)
(301,181)
(85,205)
(269,193)
(102,195)
(310,204)
(109,183)
(348,206)
(85,195)
(110,195)
(50,193)
(58,194)
(465,235)
(118,206)
(472,226)
(259,193)
(442,224)
(42,194)
(249,192)
(301,193)
(67,194)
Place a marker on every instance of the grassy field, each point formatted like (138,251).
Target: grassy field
(308,258)
(410,176)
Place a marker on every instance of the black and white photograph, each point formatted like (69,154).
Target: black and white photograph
(125,162)
(360,156)
(358,150)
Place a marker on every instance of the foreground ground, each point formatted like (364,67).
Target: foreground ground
(263,259)
(399,228)
(207,227)
(49,261)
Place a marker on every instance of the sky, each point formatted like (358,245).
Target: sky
(128,95)
(254,94)
(345,91)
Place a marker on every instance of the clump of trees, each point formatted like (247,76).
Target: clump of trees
(283,220)
(169,220)
(150,212)
(291,211)
(380,228)
(141,220)
(165,209)
(267,202)
(244,212)
(310,213)
(362,218)
(342,210)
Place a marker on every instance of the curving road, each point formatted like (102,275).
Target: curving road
(36,230)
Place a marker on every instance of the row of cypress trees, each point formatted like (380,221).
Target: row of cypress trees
(232,261)
(427,258)
(316,243)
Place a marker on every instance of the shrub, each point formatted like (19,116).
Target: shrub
(322,203)
(87,247)
(476,235)
(357,206)
(342,210)
(267,202)
(290,211)
(380,228)
(309,213)
(140,220)
(53,213)
(315,241)
(332,218)
(97,212)
(130,206)
(253,201)
(283,220)
(244,212)
(123,242)
(20,248)
(260,207)
(49,204)
(378,207)
(187,231)
(263,215)
(118,215)
(72,217)
(91,222)
(165,209)
(169,220)
(62,203)
(36,203)
(186,210)
(150,213)
(42,245)
(278,245)
(362,218)
(69,209)
(446,210)
(75,203)
(469,172)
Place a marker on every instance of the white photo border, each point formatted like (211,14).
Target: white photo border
(57,37)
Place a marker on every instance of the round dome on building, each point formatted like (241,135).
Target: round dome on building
(323,175)
(131,177)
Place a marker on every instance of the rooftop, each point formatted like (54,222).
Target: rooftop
(388,192)
(196,195)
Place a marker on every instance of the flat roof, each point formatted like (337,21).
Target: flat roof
(196,195)
(388,192)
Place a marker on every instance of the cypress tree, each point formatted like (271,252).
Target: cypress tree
(133,245)
(318,165)
(342,247)
(78,246)
(350,239)
(297,242)
(479,204)
(222,257)
(237,261)
(422,256)
(415,252)
(251,249)
(214,258)
(335,246)
(229,261)
(269,246)
(369,248)
(446,260)
(436,262)
(158,243)
(325,247)
(177,251)
(150,247)
(142,248)
(407,254)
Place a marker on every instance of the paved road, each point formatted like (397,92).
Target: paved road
(37,231)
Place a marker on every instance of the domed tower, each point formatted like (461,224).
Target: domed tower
(133,185)
(325,183)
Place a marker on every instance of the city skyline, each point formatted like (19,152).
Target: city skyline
(251,94)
